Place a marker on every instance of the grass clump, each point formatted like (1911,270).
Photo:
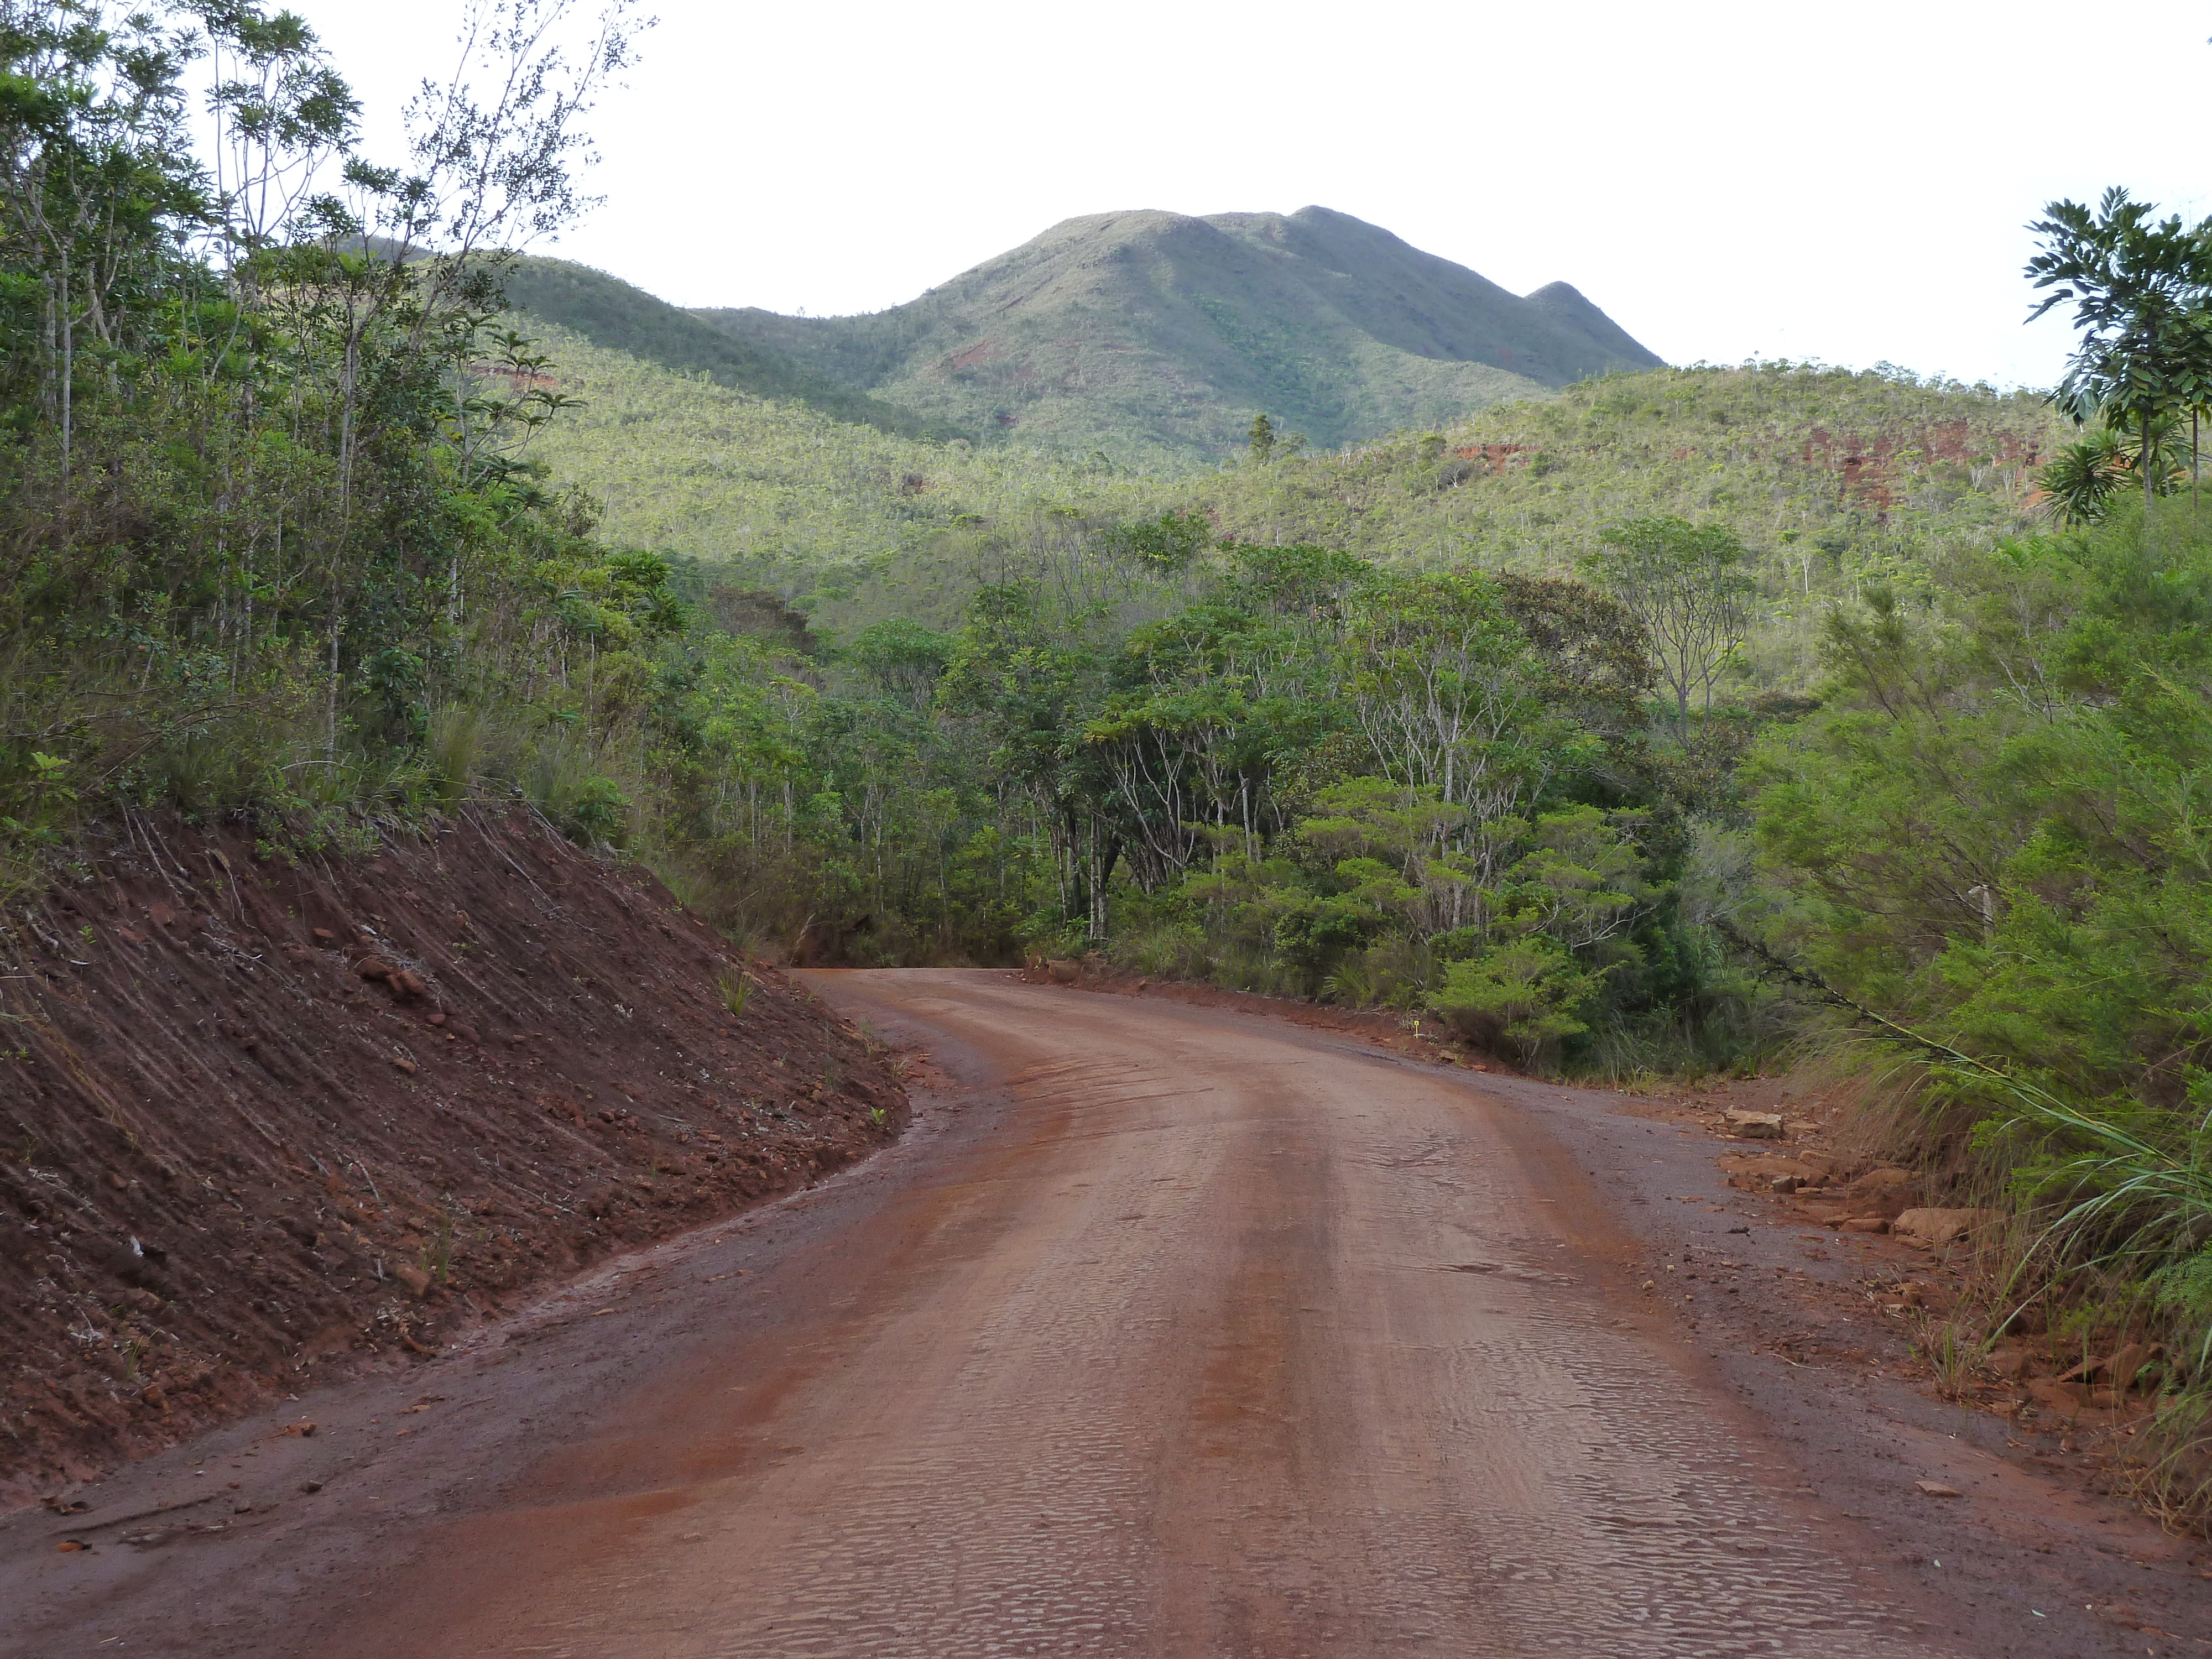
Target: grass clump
(736,989)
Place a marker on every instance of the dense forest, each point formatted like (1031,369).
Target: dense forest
(1687,720)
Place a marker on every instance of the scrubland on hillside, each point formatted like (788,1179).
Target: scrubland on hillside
(1831,478)
(1152,338)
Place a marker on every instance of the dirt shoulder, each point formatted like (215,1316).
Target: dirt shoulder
(269,1123)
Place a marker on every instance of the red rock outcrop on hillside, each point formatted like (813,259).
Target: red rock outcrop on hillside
(1496,457)
(1867,466)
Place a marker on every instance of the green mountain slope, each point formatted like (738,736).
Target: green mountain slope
(1849,471)
(1151,337)
(610,312)
(777,495)
(1835,480)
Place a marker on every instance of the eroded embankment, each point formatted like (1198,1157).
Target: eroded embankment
(263,1123)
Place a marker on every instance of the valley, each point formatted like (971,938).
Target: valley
(1835,477)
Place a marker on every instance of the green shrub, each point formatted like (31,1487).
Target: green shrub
(1523,995)
(1393,972)
(453,745)
(1173,950)
(562,780)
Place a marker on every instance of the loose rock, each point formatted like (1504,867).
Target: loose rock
(413,1277)
(1940,1227)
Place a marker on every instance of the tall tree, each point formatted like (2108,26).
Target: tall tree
(2139,290)
(1687,586)
(97,192)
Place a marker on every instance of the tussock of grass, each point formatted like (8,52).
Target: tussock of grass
(2108,1237)
(736,989)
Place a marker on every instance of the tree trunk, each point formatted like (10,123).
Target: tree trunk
(68,368)
(338,632)
(2142,463)
(1102,874)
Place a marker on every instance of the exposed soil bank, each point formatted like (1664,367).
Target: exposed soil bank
(262,1123)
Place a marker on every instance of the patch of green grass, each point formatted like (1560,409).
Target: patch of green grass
(736,990)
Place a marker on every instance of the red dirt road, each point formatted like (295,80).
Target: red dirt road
(1194,1333)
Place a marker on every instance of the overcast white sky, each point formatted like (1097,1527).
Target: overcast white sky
(1726,180)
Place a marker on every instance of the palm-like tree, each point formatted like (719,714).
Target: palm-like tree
(2081,480)
(2139,287)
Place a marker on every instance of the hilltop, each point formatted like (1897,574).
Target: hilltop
(621,317)
(1149,338)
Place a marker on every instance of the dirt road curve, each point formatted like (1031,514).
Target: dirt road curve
(1203,1335)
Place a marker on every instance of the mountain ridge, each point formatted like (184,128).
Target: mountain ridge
(1138,337)
(622,316)
(1144,335)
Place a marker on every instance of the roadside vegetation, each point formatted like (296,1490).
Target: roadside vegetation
(1668,724)
(270,544)
(1987,844)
